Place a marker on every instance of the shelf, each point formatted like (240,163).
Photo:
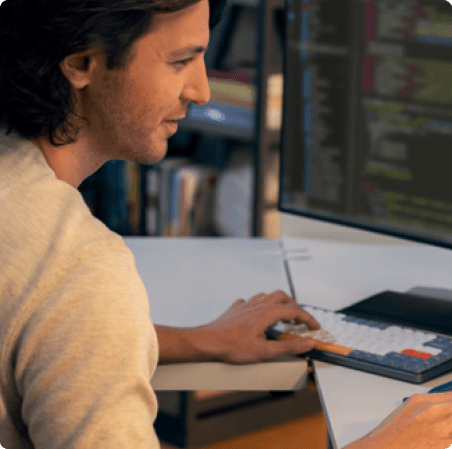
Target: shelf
(221,119)
(250,3)
(255,3)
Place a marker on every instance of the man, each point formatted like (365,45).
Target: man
(82,83)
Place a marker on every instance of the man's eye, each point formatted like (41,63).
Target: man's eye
(184,61)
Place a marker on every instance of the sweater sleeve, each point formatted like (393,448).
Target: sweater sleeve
(85,358)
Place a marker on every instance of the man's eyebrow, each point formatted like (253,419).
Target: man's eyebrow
(192,49)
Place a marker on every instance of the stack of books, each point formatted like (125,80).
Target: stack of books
(180,198)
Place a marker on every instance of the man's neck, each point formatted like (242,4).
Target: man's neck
(71,163)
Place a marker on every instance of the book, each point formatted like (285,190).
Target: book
(134,196)
(151,205)
(165,167)
(196,200)
(246,76)
(115,204)
(232,92)
(191,201)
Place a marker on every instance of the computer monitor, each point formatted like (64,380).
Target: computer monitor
(367,116)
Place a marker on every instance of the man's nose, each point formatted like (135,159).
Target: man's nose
(198,90)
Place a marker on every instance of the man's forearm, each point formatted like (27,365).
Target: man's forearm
(177,345)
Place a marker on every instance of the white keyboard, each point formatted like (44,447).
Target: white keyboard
(386,345)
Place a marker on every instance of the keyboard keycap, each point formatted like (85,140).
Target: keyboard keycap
(384,344)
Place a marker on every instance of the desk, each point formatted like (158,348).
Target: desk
(363,400)
(192,281)
(346,266)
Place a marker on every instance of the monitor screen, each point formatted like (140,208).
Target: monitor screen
(367,115)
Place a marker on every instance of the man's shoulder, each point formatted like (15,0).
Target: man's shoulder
(42,211)
(22,167)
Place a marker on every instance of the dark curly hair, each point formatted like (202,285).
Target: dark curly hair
(36,35)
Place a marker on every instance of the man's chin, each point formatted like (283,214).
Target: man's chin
(155,159)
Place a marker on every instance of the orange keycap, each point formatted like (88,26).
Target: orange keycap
(331,347)
(322,346)
(284,336)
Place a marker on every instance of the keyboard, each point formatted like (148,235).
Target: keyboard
(391,350)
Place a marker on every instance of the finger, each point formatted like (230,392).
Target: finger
(440,397)
(308,319)
(292,346)
(442,409)
(424,407)
(412,408)
(276,297)
(235,304)
(431,398)
(279,297)
(257,298)
(288,312)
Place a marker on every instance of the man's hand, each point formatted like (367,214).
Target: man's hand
(422,422)
(239,333)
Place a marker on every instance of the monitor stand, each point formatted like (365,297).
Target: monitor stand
(422,308)
(431,292)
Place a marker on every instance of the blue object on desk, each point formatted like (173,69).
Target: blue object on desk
(444,388)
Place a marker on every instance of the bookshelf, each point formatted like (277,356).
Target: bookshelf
(244,64)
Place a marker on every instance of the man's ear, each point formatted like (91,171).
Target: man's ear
(78,67)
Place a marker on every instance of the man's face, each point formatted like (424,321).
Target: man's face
(129,109)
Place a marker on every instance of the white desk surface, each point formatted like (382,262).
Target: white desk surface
(192,281)
(355,402)
(338,274)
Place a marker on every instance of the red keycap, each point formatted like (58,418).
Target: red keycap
(414,353)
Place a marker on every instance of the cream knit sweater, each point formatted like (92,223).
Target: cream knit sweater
(78,348)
